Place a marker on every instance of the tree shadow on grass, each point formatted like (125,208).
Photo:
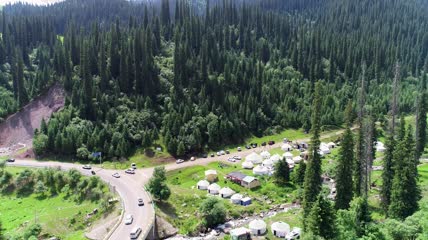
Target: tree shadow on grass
(167,208)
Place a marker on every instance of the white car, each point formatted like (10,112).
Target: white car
(128,219)
(130,171)
(192,159)
(218,153)
(294,234)
(87,167)
(237,157)
(179,161)
(231,160)
(116,175)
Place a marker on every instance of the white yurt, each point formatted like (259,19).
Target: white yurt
(211,175)
(254,158)
(214,189)
(290,163)
(287,155)
(236,198)
(260,170)
(331,145)
(247,165)
(325,150)
(323,144)
(268,163)
(226,192)
(380,147)
(203,185)
(280,229)
(257,227)
(286,147)
(297,159)
(275,158)
(265,154)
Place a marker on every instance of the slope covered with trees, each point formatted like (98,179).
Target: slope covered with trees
(197,80)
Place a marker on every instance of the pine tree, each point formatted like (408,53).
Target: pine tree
(405,190)
(22,92)
(321,219)
(344,181)
(282,172)
(299,174)
(388,172)
(312,183)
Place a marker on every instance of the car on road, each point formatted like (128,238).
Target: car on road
(294,234)
(239,149)
(10,160)
(134,166)
(192,159)
(227,152)
(179,161)
(129,219)
(231,160)
(247,147)
(93,172)
(116,175)
(135,233)
(130,171)
(212,155)
(263,144)
(271,142)
(140,202)
(222,152)
(204,155)
(237,158)
(254,145)
(87,167)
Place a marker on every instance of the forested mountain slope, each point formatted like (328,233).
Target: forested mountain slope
(201,79)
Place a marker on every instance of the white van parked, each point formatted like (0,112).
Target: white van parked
(135,233)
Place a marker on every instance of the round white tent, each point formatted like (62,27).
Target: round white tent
(247,165)
(260,170)
(286,147)
(280,229)
(236,198)
(211,175)
(297,159)
(265,154)
(226,192)
(203,185)
(257,227)
(325,150)
(275,158)
(254,158)
(290,163)
(288,155)
(268,163)
(380,147)
(214,189)
(331,145)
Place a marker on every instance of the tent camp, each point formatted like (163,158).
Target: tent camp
(254,158)
(268,163)
(331,145)
(211,175)
(247,165)
(275,158)
(324,150)
(297,159)
(260,170)
(287,155)
(286,147)
(214,189)
(236,198)
(280,229)
(240,233)
(203,185)
(265,154)
(257,227)
(226,192)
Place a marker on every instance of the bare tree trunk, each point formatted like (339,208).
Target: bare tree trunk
(395,95)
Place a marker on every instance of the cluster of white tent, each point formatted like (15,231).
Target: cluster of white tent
(258,227)
(215,189)
(263,163)
(325,148)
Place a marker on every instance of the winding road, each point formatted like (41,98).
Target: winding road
(131,187)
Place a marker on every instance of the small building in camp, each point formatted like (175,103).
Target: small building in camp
(236,198)
(240,233)
(245,201)
(214,189)
(257,227)
(226,192)
(250,182)
(247,165)
(254,158)
(286,147)
(236,177)
(260,170)
(202,185)
(211,175)
(280,229)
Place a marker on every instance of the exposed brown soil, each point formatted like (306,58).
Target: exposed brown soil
(19,128)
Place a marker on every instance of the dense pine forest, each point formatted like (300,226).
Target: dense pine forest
(196,75)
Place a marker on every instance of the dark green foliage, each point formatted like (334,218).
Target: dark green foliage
(157,186)
(312,183)
(405,192)
(344,183)
(321,219)
(352,223)
(388,172)
(282,172)
(213,211)
(299,174)
(421,117)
